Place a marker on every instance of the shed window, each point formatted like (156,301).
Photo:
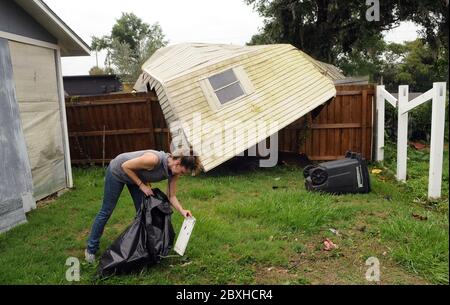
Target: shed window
(226,86)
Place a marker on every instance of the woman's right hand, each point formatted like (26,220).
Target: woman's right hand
(146,190)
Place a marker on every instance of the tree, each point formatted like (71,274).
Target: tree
(96,70)
(412,63)
(337,32)
(129,45)
(325,29)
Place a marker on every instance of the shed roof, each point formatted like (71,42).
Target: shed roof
(180,59)
(71,44)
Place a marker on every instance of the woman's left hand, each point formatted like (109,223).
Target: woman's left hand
(186,213)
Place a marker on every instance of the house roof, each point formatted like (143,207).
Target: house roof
(71,44)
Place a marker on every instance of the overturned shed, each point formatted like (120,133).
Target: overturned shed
(272,85)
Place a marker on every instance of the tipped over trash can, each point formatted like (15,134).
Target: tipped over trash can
(144,242)
(349,175)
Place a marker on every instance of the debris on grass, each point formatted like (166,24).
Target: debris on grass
(376,171)
(275,187)
(417,145)
(361,228)
(419,217)
(329,245)
(296,263)
(335,232)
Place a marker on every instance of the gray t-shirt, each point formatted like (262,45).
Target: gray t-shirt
(158,173)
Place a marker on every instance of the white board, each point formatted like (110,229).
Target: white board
(184,235)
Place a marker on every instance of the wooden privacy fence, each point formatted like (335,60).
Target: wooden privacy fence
(102,127)
(343,123)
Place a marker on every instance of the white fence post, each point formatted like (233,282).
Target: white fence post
(438,95)
(437,140)
(402,133)
(379,153)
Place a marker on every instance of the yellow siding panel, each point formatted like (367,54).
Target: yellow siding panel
(268,86)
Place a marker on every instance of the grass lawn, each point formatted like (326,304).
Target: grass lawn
(248,232)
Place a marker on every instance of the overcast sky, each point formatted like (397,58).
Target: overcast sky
(214,21)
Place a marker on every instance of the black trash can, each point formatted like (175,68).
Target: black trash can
(349,175)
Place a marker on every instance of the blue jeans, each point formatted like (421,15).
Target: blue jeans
(113,189)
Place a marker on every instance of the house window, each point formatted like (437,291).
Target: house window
(225,87)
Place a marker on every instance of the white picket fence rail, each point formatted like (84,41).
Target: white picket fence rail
(438,95)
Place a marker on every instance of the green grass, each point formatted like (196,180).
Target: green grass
(249,233)
(421,246)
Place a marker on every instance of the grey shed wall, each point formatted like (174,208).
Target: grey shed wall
(15,172)
(14,20)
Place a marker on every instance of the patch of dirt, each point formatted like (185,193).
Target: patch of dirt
(74,252)
(83,235)
(47,201)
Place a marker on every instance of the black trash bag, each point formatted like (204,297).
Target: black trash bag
(142,244)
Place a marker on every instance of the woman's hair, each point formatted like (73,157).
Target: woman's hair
(189,159)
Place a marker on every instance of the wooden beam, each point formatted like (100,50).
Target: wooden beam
(325,158)
(107,102)
(337,126)
(108,132)
(379,122)
(151,124)
(161,130)
(417,101)
(402,133)
(437,140)
(97,133)
(354,92)
(363,122)
(388,97)
(88,161)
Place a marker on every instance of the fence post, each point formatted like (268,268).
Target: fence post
(437,140)
(379,152)
(402,133)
